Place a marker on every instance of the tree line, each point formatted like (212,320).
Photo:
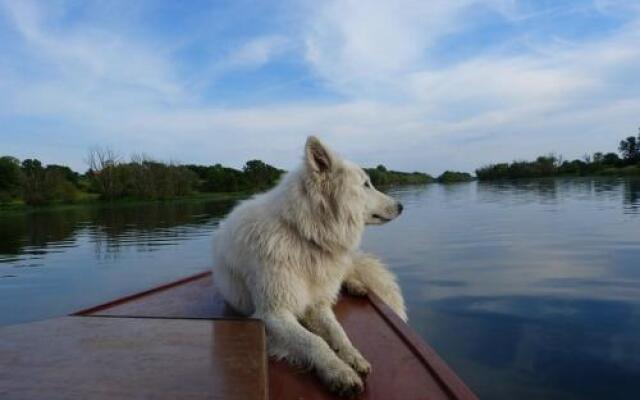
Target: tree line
(109,177)
(627,163)
(381,176)
(454,176)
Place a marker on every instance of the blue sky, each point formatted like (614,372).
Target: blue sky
(415,85)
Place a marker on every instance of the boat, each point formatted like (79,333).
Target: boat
(182,341)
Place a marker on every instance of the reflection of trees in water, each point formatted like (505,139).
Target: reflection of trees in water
(148,226)
(632,194)
(36,230)
(455,189)
(553,190)
(520,191)
(108,228)
(606,185)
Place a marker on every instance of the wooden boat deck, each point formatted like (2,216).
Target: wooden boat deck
(403,366)
(133,358)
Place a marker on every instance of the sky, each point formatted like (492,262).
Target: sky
(414,85)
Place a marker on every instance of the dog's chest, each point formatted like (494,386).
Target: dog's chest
(324,281)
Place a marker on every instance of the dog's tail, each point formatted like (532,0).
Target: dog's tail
(370,274)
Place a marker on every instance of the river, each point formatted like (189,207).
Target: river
(529,290)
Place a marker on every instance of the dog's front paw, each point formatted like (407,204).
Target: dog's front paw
(355,287)
(345,382)
(356,361)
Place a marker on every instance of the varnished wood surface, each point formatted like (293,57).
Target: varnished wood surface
(403,366)
(432,361)
(133,358)
(194,298)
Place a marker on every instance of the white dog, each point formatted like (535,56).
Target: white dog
(284,255)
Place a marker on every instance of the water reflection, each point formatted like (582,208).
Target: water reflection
(529,289)
(55,262)
(553,190)
(539,348)
(632,195)
(34,235)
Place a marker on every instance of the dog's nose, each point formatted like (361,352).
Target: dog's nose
(400,208)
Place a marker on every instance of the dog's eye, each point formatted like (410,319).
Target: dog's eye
(367,184)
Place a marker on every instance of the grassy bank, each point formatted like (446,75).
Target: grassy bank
(621,172)
(93,200)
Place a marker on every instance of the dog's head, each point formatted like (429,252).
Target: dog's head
(343,188)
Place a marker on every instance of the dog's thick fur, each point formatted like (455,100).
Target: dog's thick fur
(284,255)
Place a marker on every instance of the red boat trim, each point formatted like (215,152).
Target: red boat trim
(134,296)
(431,360)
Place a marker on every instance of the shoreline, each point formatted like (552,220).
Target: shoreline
(92,200)
(628,175)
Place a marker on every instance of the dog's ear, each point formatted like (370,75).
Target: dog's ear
(318,156)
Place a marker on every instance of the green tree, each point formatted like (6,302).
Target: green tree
(65,172)
(611,159)
(381,176)
(260,175)
(33,186)
(598,157)
(106,178)
(10,178)
(58,184)
(454,176)
(630,149)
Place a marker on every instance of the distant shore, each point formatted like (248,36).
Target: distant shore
(552,165)
(27,185)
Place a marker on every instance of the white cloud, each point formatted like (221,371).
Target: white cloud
(356,46)
(258,51)
(90,57)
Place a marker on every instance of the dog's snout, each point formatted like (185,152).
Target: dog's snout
(400,208)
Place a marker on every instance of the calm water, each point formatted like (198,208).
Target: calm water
(529,290)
